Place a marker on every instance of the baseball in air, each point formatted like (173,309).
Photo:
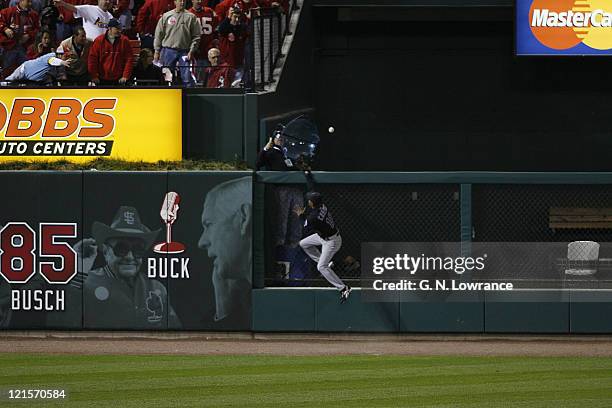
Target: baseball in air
(331,129)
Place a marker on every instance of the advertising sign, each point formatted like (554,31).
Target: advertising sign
(126,251)
(82,124)
(563,27)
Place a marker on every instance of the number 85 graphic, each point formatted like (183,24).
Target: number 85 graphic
(18,252)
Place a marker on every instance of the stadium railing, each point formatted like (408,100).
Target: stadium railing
(268,30)
(172,78)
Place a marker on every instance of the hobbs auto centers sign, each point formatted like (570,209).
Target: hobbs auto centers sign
(79,124)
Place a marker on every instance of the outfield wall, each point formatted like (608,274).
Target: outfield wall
(481,207)
(187,290)
(220,126)
(56,253)
(185,123)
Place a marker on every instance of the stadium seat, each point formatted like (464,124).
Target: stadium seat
(582,257)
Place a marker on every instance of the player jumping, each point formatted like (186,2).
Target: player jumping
(326,235)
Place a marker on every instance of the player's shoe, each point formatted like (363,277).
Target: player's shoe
(344,293)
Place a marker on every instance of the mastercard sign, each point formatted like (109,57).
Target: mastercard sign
(564,27)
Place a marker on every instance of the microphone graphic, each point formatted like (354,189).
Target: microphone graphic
(169,213)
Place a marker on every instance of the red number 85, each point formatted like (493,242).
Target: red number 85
(18,252)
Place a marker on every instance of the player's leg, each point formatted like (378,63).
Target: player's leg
(309,245)
(328,250)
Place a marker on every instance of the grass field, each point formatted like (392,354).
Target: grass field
(338,381)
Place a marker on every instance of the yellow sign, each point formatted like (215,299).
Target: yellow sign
(82,124)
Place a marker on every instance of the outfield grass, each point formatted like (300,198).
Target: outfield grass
(340,381)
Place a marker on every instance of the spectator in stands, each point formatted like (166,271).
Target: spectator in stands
(110,58)
(121,10)
(67,21)
(37,5)
(232,38)
(148,16)
(145,71)
(41,46)
(18,28)
(223,9)
(218,74)
(208,21)
(274,155)
(135,5)
(212,3)
(76,50)
(95,18)
(177,37)
(283,4)
(49,21)
(44,70)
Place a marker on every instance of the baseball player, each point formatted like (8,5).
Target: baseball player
(327,236)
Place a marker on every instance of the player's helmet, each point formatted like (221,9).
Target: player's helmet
(315,197)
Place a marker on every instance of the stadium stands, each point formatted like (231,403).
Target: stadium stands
(252,61)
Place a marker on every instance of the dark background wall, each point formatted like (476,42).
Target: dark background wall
(295,88)
(294,93)
(440,89)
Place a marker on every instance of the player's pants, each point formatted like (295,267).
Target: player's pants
(328,248)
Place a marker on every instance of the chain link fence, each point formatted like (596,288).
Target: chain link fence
(520,213)
(363,213)
(561,250)
(517,224)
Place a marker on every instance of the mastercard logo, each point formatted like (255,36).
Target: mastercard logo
(563,24)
